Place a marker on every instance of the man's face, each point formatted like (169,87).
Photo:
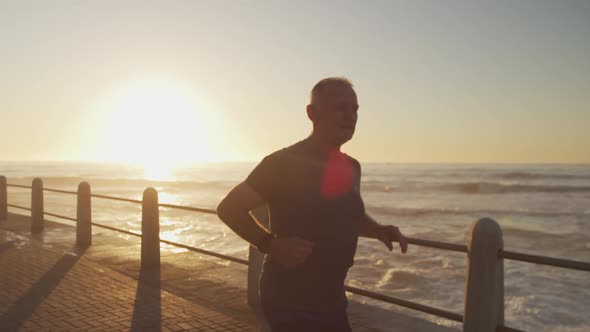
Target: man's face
(335,115)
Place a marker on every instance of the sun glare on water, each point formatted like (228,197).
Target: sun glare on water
(158,125)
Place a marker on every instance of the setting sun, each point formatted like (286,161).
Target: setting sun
(158,124)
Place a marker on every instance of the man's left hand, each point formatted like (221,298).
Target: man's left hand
(388,234)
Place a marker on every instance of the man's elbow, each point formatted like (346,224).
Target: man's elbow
(222,210)
(227,208)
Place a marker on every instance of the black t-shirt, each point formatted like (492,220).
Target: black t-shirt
(313,195)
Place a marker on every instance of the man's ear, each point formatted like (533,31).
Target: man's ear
(311,112)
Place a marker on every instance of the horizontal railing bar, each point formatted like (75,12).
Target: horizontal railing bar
(188,208)
(75,193)
(18,186)
(558,262)
(418,307)
(18,207)
(117,198)
(438,245)
(207,252)
(407,304)
(116,229)
(60,216)
(203,251)
(60,191)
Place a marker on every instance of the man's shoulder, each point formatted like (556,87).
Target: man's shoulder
(353,161)
(299,151)
(285,152)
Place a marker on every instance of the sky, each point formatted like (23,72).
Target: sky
(200,81)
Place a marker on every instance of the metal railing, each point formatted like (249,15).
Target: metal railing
(501,254)
(180,245)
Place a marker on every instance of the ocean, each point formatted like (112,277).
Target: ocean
(542,209)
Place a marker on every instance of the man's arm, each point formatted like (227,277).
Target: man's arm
(387,234)
(234,211)
(368,227)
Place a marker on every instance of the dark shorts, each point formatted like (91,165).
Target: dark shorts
(289,320)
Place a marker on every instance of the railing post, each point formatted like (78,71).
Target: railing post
(150,230)
(256,258)
(37,213)
(3,199)
(484,290)
(84,216)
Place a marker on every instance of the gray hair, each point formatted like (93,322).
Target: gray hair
(321,85)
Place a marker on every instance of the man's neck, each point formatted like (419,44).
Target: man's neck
(322,144)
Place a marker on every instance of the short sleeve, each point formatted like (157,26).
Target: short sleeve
(263,179)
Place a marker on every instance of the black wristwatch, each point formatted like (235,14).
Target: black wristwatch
(263,244)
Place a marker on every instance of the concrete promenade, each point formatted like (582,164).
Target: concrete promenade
(47,284)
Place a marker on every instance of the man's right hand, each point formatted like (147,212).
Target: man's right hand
(290,252)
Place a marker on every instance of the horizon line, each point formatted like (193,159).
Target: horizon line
(256,161)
